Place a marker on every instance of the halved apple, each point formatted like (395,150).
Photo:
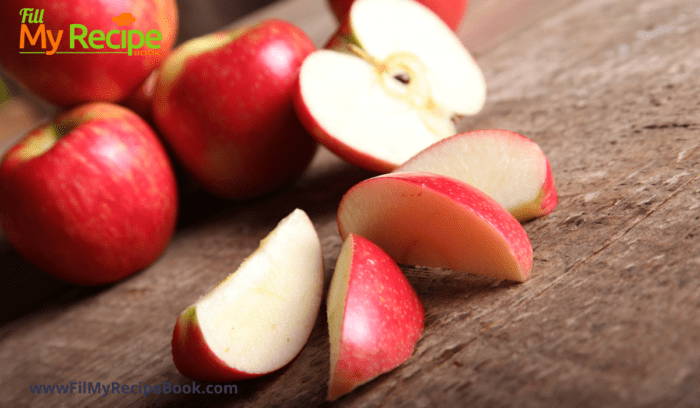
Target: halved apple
(389,84)
(260,317)
(375,317)
(436,221)
(507,166)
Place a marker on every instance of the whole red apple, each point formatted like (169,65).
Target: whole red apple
(75,51)
(450,11)
(90,198)
(223,103)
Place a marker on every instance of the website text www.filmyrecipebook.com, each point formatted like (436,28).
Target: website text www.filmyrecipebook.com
(88,387)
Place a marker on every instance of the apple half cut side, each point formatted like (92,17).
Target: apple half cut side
(436,221)
(390,83)
(260,317)
(375,317)
(507,166)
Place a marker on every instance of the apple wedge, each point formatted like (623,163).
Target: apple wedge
(389,84)
(437,221)
(375,317)
(259,318)
(507,166)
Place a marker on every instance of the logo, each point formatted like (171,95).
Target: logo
(124,19)
(81,40)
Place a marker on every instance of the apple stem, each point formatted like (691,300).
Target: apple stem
(362,54)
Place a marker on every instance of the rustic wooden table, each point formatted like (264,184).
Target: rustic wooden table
(610,91)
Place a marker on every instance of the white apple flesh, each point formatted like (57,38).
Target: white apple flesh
(436,221)
(260,317)
(507,166)
(389,85)
(375,317)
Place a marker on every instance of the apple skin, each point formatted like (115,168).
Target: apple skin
(71,79)
(475,233)
(450,11)
(543,203)
(90,198)
(141,100)
(227,111)
(383,318)
(550,197)
(193,358)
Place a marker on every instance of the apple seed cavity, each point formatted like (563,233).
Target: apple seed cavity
(405,77)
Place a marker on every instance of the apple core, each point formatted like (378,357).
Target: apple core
(404,76)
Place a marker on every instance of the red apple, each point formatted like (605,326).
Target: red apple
(115,45)
(450,11)
(507,166)
(375,317)
(437,221)
(260,317)
(141,100)
(223,102)
(90,198)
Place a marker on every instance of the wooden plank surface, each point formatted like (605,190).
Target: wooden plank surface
(608,89)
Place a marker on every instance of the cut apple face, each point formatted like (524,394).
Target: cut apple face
(375,317)
(389,85)
(260,317)
(507,166)
(436,221)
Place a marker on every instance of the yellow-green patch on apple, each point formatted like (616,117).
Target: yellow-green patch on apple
(173,66)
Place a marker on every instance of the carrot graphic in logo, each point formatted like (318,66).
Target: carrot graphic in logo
(124,19)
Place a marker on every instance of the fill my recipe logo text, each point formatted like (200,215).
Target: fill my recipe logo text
(81,40)
(85,387)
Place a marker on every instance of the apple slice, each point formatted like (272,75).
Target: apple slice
(389,85)
(375,317)
(437,221)
(507,166)
(259,318)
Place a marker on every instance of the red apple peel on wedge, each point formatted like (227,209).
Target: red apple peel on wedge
(374,316)
(436,221)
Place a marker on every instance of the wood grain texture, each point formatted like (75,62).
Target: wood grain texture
(609,90)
